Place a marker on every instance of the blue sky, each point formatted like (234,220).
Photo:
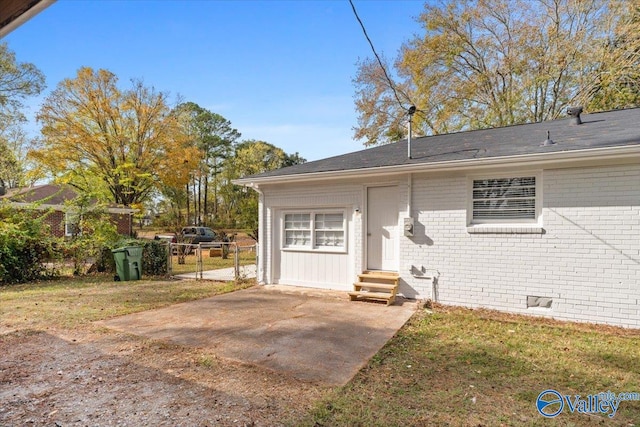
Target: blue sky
(280,71)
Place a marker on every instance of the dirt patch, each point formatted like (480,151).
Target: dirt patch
(102,378)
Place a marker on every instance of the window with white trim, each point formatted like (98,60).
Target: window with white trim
(71,224)
(505,200)
(322,230)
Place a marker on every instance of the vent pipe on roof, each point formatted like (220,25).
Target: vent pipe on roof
(411,111)
(574,112)
(547,141)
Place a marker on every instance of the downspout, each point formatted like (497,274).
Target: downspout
(409,193)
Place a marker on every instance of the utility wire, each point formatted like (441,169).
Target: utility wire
(384,70)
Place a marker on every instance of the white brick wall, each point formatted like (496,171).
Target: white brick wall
(587,259)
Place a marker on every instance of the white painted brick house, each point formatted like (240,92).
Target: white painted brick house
(495,218)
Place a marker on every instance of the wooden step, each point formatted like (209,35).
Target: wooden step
(380,296)
(375,285)
(370,285)
(378,278)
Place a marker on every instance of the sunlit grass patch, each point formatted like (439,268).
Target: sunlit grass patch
(478,367)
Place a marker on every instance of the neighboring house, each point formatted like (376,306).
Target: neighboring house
(511,218)
(62,218)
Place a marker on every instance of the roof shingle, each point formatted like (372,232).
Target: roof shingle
(599,130)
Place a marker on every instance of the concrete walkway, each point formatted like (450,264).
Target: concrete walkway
(310,334)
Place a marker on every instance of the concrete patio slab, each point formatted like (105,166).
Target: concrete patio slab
(310,334)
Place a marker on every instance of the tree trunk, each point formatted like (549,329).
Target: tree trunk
(188,204)
(206,201)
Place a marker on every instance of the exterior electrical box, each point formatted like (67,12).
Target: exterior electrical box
(408,227)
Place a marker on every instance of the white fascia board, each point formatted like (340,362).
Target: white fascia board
(523,160)
(24,17)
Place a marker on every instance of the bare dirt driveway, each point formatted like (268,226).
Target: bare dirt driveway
(258,356)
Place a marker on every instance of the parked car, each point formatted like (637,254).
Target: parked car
(197,235)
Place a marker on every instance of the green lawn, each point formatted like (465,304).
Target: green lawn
(481,368)
(75,302)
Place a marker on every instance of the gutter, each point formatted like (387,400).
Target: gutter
(522,160)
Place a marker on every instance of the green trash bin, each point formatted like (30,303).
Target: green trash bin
(128,263)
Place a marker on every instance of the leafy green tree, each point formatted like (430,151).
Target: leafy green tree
(486,63)
(18,81)
(240,206)
(214,137)
(10,169)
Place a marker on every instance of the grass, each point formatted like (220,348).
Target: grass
(481,368)
(72,303)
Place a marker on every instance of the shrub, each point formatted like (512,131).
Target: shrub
(24,247)
(154,258)
(87,250)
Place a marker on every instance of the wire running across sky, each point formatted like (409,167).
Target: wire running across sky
(384,70)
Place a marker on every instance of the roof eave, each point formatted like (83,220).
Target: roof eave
(22,16)
(63,208)
(528,160)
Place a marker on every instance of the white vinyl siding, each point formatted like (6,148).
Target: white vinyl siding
(314,231)
(504,200)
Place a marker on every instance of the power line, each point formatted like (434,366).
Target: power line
(384,70)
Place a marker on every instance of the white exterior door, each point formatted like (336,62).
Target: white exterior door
(382,228)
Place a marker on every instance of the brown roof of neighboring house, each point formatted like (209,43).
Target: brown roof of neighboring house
(51,194)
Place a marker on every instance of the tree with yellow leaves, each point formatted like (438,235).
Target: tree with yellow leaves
(127,140)
(488,63)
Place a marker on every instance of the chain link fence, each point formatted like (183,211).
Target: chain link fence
(212,261)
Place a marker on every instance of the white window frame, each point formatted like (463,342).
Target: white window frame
(312,246)
(298,229)
(72,218)
(505,225)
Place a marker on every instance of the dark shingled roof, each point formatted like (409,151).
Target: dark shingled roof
(51,194)
(599,130)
